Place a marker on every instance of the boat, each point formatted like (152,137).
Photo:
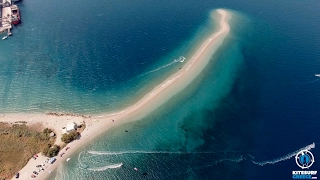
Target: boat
(4,37)
(68,159)
(318,75)
(15,14)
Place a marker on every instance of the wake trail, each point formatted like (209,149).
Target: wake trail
(181,59)
(113,166)
(285,157)
(156,152)
(215,162)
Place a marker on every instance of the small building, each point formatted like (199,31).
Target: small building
(71,126)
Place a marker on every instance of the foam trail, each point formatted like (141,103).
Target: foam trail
(231,160)
(143,152)
(286,157)
(156,152)
(113,166)
(82,165)
(164,66)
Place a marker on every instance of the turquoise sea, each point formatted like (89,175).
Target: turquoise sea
(254,105)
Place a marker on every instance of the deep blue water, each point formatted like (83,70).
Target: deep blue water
(258,100)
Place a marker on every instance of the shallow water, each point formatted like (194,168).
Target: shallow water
(257,101)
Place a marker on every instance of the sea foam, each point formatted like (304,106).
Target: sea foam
(113,166)
(285,157)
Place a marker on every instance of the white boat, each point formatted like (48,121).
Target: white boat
(4,37)
(68,159)
(318,75)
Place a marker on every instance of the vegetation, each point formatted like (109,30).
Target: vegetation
(53,151)
(69,137)
(18,144)
(47,131)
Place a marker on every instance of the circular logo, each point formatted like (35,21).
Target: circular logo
(304,159)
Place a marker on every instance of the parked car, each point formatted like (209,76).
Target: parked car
(52,160)
(17,175)
(34,172)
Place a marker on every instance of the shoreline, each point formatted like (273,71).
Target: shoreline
(97,124)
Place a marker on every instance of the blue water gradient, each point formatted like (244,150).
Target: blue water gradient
(256,102)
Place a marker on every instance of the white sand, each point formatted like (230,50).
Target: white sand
(98,124)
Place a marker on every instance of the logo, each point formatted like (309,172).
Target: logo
(304,159)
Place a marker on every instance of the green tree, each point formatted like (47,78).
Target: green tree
(47,131)
(53,151)
(67,138)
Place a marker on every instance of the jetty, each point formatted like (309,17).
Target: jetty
(6,15)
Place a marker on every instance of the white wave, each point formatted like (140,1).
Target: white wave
(241,158)
(154,152)
(286,157)
(104,153)
(81,164)
(181,59)
(113,166)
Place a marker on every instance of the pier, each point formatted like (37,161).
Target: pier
(6,15)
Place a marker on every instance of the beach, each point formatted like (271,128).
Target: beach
(97,124)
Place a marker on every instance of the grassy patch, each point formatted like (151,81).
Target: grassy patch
(18,143)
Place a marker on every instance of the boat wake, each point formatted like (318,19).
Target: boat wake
(283,158)
(152,152)
(250,157)
(94,158)
(180,59)
(113,166)
(85,166)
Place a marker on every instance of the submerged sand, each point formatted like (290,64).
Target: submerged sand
(96,125)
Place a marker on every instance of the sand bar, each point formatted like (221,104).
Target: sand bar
(98,124)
